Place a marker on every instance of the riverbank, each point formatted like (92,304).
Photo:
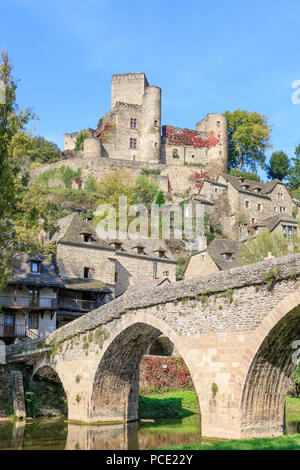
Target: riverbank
(177,404)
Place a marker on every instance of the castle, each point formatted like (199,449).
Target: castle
(132,131)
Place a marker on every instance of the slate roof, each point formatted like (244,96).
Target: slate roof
(272,222)
(46,277)
(83,284)
(71,228)
(238,183)
(144,286)
(217,249)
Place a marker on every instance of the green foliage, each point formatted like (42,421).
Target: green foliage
(32,407)
(257,248)
(214,389)
(67,175)
(248,139)
(43,151)
(90,184)
(145,190)
(181,263)
(271,276)
(296,378)
(79,141)
(278,166)
(47,176)
(293,179)
(209,237)
(160,199)
(248,175)
(148,172)
(24,209)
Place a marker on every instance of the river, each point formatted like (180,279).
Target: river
(57,434)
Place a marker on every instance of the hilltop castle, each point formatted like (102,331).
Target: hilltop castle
(132,131)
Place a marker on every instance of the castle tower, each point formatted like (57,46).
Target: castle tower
(151,125)
(128,88)
(216,125)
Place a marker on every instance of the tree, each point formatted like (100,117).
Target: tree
(24,209)
(145,190)
(160,200)
(245,174)
(43,151)
(248,139)
(294,171)
(67,175)
(296,378)
(90,184)
(256,249)
(278,166)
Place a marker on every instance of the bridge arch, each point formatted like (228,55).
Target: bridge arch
(116,381)
(269,369)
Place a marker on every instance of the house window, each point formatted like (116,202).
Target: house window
(161,254)
(35,267)
(282,208)
(116,276)
(132,143)
(34,296)
(87,237)
(156,123)
(86,272)
(216,190)
(228,256)
(140,250)
(258,208)
(275,208)
(133,123)
(193,156)
(33,321)
(245,187)
(166,273)
(280,195)
(246,204)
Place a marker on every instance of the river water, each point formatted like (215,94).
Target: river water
(57,434)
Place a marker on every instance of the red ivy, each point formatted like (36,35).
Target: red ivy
(78,181)
(106,128)
(155,377)
(178,136)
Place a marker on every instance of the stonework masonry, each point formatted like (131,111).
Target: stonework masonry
(234,331)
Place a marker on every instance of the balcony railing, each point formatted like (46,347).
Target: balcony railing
(76,304)
(26,302)
(17,331)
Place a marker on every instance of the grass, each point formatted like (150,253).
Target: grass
(293,409)
(272,443)
(177,404)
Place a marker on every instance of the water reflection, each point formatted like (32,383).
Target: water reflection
(57,434)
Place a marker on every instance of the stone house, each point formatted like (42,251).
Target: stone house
(282,223)
(219,255)
(29,302)
(240,203)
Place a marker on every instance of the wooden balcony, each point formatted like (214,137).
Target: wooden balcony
(65,303)
(17,302)
(17,331)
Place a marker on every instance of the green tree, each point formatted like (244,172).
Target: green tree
(43,151)
(90,184)
(248,175)
(248,139)
(80,140)
(24,209)
(296,378)
(146,190)
(67,175)
(256,249)
(293,180)
(278,166)
(160,200)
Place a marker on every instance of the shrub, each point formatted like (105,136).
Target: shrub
(80,140)
(67,175)
(90,184)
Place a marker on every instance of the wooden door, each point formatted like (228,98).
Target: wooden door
(9,325)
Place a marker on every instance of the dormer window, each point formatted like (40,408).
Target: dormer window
(35,267)
(228,256)
(245,187)
(161,253)
(139,249)
(258,190)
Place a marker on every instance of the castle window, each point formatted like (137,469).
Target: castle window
(175,153)
(156,123)
(87,237)
(193,156)
(218,123)
(86,272)
(133,123)
(155,145)
(216,190)
(132,143)
(275,208)
(220,153)
(258,207)
(246,204)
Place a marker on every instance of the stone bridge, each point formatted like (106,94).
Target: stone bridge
(234,330)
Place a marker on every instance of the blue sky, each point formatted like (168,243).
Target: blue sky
(206,57)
